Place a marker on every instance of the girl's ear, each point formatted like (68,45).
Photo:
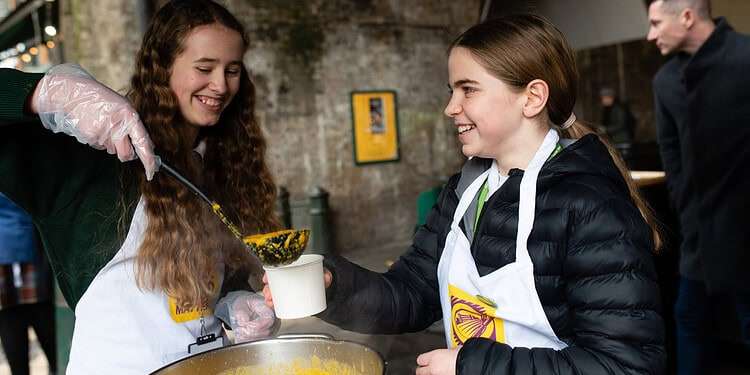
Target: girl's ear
(537,93)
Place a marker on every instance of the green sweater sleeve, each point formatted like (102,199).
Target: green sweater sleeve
(75,194)
(14,93)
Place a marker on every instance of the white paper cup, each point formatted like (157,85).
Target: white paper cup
(298,289)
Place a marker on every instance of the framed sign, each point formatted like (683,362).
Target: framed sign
(374,127)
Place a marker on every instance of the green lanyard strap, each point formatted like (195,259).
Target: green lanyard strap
(482,198)
(480,203)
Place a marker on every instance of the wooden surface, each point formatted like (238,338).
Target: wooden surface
(647,178)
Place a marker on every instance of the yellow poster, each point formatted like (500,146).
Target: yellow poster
(375,126)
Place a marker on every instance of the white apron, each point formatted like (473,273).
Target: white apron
(502,306)
(121,329)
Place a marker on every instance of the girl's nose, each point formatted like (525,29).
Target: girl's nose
(453,108)
(218,83)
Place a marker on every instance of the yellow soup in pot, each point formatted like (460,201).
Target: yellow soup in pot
(315,366)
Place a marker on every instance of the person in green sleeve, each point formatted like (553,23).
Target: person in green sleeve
(140,259)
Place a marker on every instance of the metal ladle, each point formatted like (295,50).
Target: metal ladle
(215,207)
(266,257)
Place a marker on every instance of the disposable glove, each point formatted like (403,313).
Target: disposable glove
(247,314)
(70,101)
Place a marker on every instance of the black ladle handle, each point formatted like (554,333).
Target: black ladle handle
(214,206)
(171,171)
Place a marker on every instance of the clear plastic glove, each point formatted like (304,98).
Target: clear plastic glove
(69,100)
(247,314)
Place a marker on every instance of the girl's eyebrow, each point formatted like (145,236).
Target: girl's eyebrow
(210,60)
(463,82)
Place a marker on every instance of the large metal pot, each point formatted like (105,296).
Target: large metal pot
(282,355)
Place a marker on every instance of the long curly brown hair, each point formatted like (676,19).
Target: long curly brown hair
(185,245)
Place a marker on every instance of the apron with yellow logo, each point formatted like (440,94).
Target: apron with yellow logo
(502,306)
(123,329)
(181,315)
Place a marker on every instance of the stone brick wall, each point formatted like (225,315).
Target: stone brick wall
(102,36)
(306,57)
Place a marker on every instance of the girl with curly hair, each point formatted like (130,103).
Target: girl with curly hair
(141,259)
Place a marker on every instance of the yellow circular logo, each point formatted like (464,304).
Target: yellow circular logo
(469,320)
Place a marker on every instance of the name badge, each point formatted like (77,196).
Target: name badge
(180,315)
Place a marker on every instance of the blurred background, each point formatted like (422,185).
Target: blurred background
(306,59)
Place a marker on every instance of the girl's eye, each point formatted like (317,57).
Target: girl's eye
(203,70)
(233,72)
(468,90)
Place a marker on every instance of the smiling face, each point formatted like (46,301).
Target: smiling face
(486,112)
(206,75)
(666,29)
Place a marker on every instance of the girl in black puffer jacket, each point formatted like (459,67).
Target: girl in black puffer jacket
(538,254)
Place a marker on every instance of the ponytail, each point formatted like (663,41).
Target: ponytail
(577,131)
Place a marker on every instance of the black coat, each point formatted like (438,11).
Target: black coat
(672,133)
(714,153)
(593,271)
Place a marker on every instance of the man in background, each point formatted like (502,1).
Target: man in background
(702,105)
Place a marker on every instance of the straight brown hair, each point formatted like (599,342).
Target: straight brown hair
(520,48)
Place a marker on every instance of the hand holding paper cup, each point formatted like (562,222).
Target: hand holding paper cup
(298,287)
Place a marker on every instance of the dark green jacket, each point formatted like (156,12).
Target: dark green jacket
(73,193)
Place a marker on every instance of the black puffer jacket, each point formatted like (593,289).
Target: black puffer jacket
(593,268)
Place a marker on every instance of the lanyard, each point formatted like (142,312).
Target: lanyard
(482,198)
